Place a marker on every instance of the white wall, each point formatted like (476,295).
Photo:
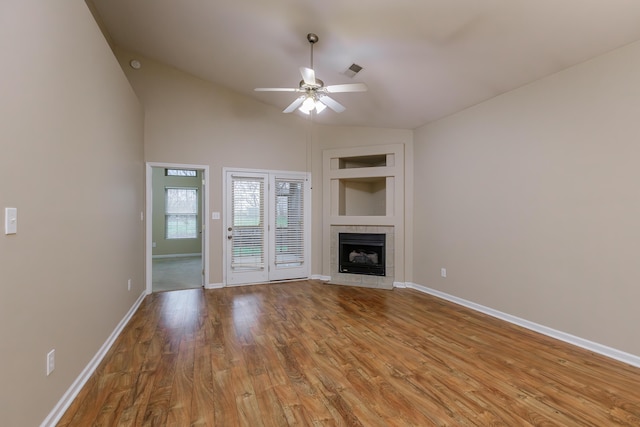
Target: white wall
(72,163)
(530,200)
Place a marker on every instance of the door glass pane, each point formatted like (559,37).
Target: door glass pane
(289,233)
(248,234)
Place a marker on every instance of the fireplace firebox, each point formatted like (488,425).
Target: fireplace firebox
(361,253)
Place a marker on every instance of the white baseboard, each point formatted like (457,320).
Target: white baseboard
(399,285)
(175,255)
(604,350)
(63,404)
(222,285)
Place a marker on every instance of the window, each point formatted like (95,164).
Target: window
(289,220)
(248,223)
(180,172)
(248,194)
(181,213)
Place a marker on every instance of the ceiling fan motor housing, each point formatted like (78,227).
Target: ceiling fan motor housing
(308,86)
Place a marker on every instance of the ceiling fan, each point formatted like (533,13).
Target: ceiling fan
(314,92)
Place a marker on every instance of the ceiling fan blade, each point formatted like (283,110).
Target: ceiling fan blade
(308,75)
(332,103)
(349,87)
(295,104)
(275,89)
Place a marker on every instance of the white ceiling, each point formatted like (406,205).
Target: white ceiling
(422,59)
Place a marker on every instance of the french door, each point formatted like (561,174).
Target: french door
(267,226)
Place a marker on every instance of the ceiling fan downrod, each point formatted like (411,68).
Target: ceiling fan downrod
(313,39)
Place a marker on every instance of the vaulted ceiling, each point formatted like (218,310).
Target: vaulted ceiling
(421,59)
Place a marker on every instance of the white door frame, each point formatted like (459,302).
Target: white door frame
(253,275)
(269,172)
(149,222)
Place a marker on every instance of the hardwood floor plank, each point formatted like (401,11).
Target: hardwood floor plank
(268,401)
(202,413)
(179,413)
(157,406)
(133,414)
(311,354)
(246,401)
(224,401)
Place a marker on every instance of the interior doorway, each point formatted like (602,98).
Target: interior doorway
(176,237)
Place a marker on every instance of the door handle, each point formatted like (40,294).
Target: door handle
(229,237)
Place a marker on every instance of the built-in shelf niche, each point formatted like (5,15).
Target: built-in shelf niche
(362,196)
(362,161)
(363,184)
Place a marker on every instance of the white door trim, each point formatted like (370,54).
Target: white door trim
(270,173)
(149,212)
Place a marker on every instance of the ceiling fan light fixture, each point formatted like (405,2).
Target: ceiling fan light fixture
(310,104)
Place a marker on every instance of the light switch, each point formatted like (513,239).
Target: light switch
(10,220)
(215,215)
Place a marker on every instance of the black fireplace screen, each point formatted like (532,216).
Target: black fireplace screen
(361,253)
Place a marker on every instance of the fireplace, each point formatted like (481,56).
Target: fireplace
(361,253)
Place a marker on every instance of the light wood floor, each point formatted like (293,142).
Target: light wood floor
(306,353)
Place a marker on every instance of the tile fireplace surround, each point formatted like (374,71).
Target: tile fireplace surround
(380,282)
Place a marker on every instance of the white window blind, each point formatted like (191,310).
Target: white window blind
(181,213)
(289,233)
(180,172)
(248,234)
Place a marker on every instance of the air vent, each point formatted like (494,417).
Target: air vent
(353,70)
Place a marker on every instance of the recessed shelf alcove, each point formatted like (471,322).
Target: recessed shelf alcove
(362,196)
(362,161)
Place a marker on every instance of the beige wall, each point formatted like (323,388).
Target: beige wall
(165,246)
(530,201)
(72,163)
(190,121)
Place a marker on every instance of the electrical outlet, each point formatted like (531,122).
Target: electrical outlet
(129,284)
(51,361)
(443,272)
